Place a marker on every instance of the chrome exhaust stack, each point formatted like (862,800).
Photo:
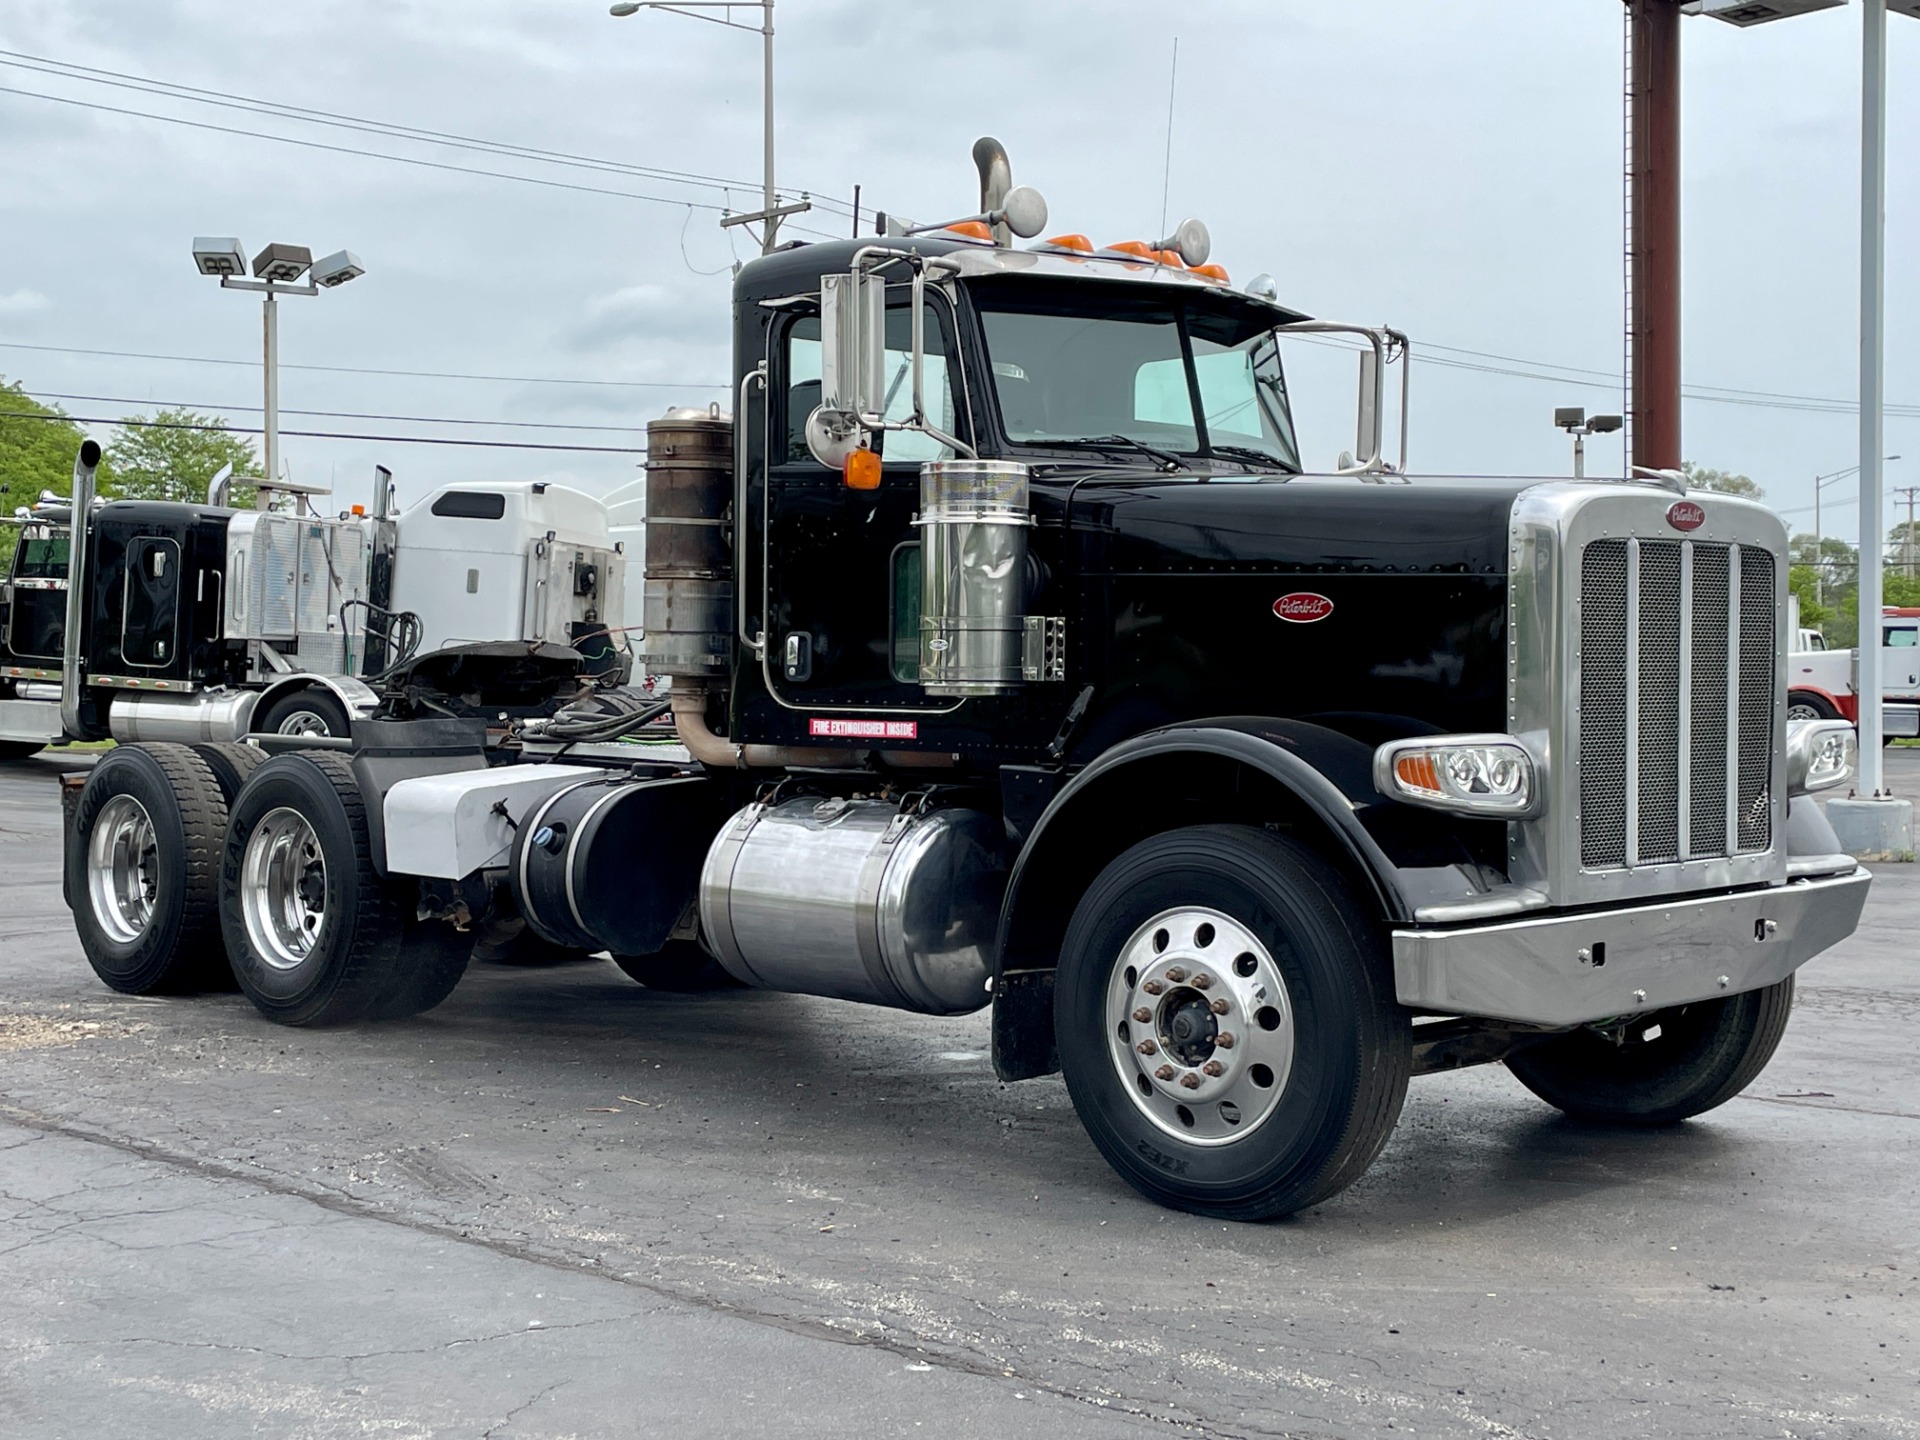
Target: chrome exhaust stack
(84,464)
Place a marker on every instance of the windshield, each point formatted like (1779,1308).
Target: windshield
(1173,373)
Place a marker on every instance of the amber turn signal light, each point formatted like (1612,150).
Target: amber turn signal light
(863,470)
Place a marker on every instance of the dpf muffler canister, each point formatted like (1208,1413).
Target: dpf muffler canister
(858,900)
(973,575)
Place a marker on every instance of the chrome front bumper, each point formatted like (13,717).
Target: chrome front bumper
(1572,969)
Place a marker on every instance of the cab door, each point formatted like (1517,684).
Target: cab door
(841,608)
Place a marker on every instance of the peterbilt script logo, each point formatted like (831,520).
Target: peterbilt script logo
(1685,515)
(1302,607)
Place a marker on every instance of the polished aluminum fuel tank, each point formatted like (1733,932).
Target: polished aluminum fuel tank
(858,900)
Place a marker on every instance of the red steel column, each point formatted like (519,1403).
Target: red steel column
(1656,233)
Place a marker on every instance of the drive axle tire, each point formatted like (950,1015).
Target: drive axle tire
(312,711)
(681,966)
(317,936)
(232,763)
(1227,1025)
(145,851)
(1700,1056)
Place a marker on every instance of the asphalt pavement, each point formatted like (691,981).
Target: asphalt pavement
(563,1205)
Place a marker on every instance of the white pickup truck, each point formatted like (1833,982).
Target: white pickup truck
(1822,683)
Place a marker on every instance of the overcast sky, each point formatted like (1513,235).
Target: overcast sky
(1452,168)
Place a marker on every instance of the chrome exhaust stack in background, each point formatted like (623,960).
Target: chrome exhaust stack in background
(84,464)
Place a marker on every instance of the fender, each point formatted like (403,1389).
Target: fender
(1255,770)
(1847,707)
(356,696)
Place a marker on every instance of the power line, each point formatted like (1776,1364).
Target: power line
(173,90)
(347,414)
(367,154)
(329,434)
(368,370)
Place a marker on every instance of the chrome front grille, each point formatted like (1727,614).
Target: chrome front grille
(1677,686)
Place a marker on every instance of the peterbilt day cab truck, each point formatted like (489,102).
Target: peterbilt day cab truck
(208,623)
(978,614)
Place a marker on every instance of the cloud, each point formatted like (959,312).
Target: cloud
(23,302)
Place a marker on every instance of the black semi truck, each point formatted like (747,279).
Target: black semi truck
(984,616)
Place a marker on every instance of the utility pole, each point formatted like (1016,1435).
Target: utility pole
(770,214)
(1654,245)
(1906,540)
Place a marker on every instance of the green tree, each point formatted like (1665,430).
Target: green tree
(37,446)
(1723,481)
(172,454)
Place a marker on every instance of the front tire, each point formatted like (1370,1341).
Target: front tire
(18,749)
(145,853)
(1698,1057)
(1802,705)
(1272,1059)
(313,711)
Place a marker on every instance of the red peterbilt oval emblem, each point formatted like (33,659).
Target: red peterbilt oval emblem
(1302,607)
(1685,515)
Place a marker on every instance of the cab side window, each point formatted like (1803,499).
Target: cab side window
(802,384)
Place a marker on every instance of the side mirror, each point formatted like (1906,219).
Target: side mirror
(853,334)
(853,327)
(1367,436)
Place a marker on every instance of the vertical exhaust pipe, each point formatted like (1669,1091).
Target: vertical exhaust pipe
(84,464)
(996,179)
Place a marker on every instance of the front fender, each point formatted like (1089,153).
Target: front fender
(1312,780)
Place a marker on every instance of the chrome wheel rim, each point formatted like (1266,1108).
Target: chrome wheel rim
(123,869)
(303,722)
(1803,712)
(283,888)
(1200,1026)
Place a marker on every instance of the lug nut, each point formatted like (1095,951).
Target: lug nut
(1142,1015)
(1202,982)
(1165,1072)
(1223,1040)
(1214,1067)
(1153,987)
(1190,1081)
(1219,1007)
(1147,1047)
(1176,974)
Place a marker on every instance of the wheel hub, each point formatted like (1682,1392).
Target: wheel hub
(1200,1026)
(283,888)
(123,869)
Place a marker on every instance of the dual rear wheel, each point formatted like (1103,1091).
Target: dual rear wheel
(196,867)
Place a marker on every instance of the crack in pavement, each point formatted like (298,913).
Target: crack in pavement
(326,1199)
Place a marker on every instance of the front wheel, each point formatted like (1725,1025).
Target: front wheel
(313,711)
(1661,1068)
(18,749)
(1802,705)
(1227,1025)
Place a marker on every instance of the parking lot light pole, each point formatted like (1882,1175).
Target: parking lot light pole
(277,271)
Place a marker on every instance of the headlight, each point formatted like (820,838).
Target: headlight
(1491,775)
(1820,755)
